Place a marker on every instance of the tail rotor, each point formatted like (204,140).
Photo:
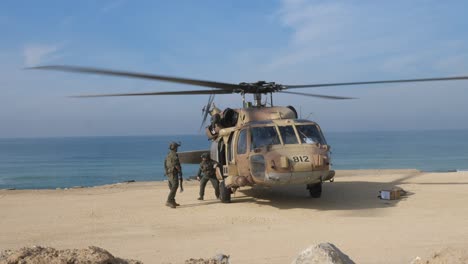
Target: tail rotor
(206,109)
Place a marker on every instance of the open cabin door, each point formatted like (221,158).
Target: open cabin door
(218,154)
(221,150)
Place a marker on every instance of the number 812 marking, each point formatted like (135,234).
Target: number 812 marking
(300,158)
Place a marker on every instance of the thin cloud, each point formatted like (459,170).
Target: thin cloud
(313,21)
(39,53)
(366,35)
(316,30)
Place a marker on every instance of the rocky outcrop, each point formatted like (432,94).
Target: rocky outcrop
(218,259)
(48,255)
(323,253)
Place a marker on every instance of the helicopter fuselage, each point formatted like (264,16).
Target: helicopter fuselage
(269,146)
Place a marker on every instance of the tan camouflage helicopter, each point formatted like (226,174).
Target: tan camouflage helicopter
(259,144)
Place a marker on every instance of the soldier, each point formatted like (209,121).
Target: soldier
(173,172)
(207,172)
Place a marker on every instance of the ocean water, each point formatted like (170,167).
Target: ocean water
(42,163)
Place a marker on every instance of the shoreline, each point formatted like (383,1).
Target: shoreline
(193,178)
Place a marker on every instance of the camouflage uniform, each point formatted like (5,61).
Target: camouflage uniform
(207,172)
(173,169)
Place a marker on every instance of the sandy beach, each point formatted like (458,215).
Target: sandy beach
(260,225)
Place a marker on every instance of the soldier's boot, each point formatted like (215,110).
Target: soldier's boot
(200,198)
(176,204)
(171,204)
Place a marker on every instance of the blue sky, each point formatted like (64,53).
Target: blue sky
(289,42)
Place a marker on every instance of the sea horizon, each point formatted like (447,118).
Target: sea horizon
(64,162)
(202,134)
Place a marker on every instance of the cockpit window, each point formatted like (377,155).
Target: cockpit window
(288,135)
(310,134)
(264,136)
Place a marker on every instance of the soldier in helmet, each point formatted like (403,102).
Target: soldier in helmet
(173,172)
(207,172)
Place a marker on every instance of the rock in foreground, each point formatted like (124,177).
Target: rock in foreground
(218,259)
(46,255)
(323,253)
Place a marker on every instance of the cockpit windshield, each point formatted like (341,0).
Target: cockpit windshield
(264,136)
(310,134)
(288,135)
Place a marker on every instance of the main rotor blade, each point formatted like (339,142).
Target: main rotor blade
(376,82)
(160,93)
(319,95)
(79,69)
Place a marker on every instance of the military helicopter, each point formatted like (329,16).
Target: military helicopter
(258,144)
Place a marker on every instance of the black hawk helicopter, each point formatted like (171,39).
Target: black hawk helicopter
(256,144)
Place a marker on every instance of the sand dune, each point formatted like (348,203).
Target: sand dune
(259,226)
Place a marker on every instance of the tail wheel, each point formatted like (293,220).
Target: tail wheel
(315,190)
(224,193)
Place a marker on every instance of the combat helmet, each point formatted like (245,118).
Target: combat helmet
(205,155)
(174,145)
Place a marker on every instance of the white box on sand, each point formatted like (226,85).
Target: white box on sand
(389,194)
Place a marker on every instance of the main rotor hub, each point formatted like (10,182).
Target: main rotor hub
(259,87)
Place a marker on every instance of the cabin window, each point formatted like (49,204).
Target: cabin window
(264,136)
(310,134)
(242,142)
(288,135)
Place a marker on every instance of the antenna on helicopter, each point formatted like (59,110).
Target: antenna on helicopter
(309,115)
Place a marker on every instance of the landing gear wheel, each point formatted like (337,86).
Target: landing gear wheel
(224,193)
(315,190)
